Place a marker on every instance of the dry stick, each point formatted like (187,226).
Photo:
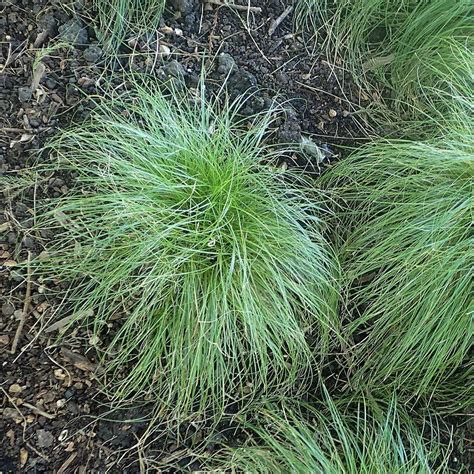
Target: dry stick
(26,305)
(276,23)
(38,411)
(220,3)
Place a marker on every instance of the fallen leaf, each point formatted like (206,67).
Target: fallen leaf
(60,324)
(26,137)
(79,361)
(38,73)
(374,63)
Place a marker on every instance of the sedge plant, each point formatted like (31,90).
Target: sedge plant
(338,436)
(202,262)
(407,254)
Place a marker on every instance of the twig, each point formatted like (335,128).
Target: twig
(38,411)
(26,305)
(12,130)
(39,453)
(223,3)
(276,23)
(10,399)
(67,463)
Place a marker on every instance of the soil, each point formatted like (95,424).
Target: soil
(49,398)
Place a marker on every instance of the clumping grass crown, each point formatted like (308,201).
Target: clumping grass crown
(205,266)
(337,436)
(407,257)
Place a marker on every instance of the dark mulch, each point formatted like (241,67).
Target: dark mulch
(49,398)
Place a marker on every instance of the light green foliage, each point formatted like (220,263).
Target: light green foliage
(408,259)
(122,19)
(417,55)
(339,437)
(213,261)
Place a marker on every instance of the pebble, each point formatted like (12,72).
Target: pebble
(74,32)
(332,113)
(69,393)
(15,388)
(92,54)
(164,50)
(50,83)
(10,413)
(4,340)
(226,63)
(45,438)
(34,122)
(175,69)
(8,309)
(183,6)
(24,94)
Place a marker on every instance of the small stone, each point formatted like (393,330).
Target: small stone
(167,30)
(34,122)
(74,32)
(69,393)
(226,63)
(92,54)
(345,113)
(183,6)
(178,32)
(25,94)
(70,447)
(8,309)
(4,340)
(61,402)
(15,388)
(50,83)
(59,374)
(164,50)
(10,413)
(332,113)
(45,438)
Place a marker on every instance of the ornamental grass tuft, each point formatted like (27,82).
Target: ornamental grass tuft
(120,20)
(413,58)
(407,256)
(339,436)
(201,261)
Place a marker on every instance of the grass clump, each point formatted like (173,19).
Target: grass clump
(416,55)
(120,19)
(339,437)
(407,258)
(212,262)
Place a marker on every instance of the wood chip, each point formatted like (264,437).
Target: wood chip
(23,457)
(79,361)
(38,74)
(67,463)
(39,411)
(15,388)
